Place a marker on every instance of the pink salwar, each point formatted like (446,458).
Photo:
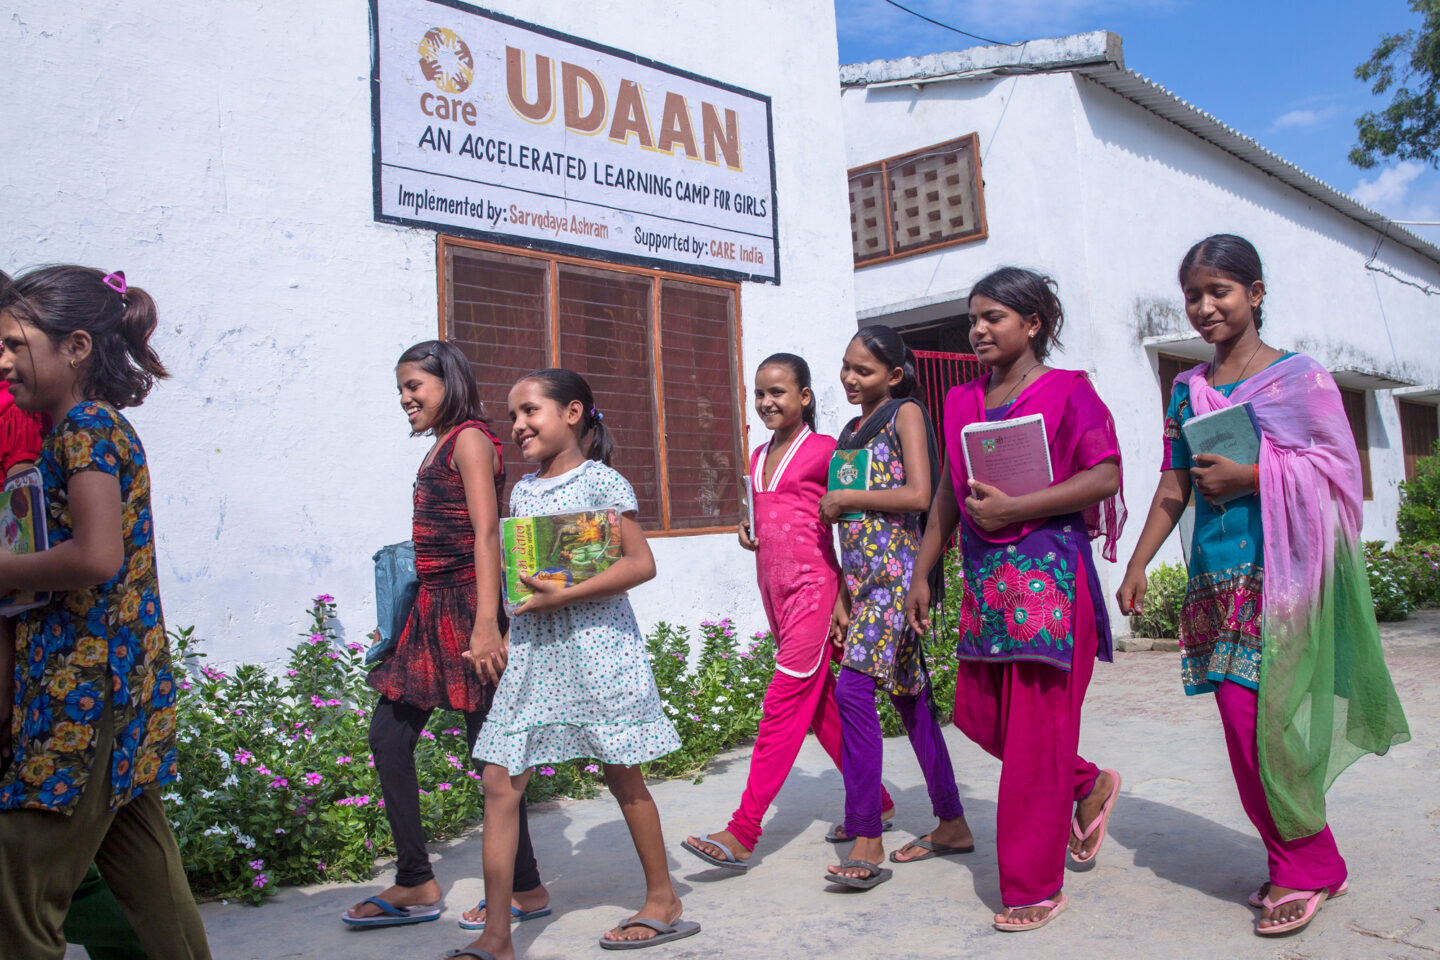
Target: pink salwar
(1308,863)
(793,706)
(1028,715)
(799,579)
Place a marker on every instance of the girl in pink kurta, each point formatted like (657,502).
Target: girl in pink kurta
(799,584)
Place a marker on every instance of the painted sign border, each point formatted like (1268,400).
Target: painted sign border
(553,246)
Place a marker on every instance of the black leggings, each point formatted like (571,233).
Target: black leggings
(394,730)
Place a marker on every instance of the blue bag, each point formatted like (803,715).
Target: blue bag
(396,586)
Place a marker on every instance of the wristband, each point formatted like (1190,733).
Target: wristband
(1256,468)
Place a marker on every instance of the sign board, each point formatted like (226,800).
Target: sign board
(489,127)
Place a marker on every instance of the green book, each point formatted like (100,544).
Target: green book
(567,548)
(1231,432)
(850,470)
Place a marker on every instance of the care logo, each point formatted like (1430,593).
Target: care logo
(445,59)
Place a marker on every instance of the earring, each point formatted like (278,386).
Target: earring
(74,364)
(1032,334)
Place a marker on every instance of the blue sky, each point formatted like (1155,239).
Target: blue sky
(1282,73)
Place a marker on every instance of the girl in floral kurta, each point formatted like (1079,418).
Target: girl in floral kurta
(92,716)
(877,553)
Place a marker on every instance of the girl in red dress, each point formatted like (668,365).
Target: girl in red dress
(455,629)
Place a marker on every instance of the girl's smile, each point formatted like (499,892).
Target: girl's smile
(779,400)
(421,396)
(1219,307)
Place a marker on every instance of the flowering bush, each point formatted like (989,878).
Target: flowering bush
(1418,520)
(279,787)
(1387,588)
(1417,565)
(1164,598)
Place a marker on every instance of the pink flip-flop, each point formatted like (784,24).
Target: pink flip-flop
(1312,898)
(1257,899)
(1056,907)
(1099,823)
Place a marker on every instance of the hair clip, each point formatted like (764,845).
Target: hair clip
(116,281)
(596,414)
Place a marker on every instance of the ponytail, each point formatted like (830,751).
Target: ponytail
(120,319)
(886,346)
(566,387)
(800,370)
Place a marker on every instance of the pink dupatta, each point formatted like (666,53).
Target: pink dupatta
(1326,697)
(1081,432)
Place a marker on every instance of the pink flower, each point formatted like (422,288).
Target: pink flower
(472,774)
(1058,613)
(324,598)
(591,768)
(370,760)
(342,760)
(1025,616)
(454,761)
(1001,587)
(1038,582)
(354,647)
(262,769)
(316,701)
(260,881)
(280,782)
(452,731)
(427,734)
(547,771)
(257,864)
(317,638)
(243,757)
(313,779)
(443,786)
(292,673)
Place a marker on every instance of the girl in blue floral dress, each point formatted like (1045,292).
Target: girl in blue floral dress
(877,553)
(88,695)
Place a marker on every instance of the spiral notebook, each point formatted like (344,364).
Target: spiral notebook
(1010,455)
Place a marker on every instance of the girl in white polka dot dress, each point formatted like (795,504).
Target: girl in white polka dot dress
(577,682)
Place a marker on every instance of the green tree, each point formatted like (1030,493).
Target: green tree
(1408,63)
(1419,517)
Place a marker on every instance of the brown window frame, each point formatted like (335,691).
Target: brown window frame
(1350,395)
(657,278)
(972,140)
(1409,411)
(1162,360)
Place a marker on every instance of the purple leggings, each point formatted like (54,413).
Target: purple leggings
(862,750)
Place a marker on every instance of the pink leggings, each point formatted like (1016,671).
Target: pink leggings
(793,706)
(1309,863)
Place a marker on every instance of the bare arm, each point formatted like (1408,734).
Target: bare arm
(944,517)
(95,551)
(474,458)
(913,497)
(1171,496)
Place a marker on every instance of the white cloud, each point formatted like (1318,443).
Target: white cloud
(1387,192)
(1297,118)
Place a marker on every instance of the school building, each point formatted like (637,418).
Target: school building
(1053,155)
(650,192)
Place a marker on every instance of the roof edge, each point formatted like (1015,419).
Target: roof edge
(1032,56)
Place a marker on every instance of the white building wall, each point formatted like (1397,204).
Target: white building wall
(221,157)
(1106,197)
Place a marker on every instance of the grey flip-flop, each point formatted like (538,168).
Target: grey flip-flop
(664,933)
(475,952)
(729,863)
(878,875)
(932,849)
(834,836)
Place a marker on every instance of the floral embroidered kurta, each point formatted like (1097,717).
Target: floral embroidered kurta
(71,648)
(877,553)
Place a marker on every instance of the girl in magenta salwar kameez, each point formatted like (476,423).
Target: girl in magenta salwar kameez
(1032,620)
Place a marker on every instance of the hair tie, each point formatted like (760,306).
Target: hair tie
(116,281)
(596,415)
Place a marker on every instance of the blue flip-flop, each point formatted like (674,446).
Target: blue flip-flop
(516,916)
(391,915)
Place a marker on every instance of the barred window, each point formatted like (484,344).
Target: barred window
(928,198)
(660,351)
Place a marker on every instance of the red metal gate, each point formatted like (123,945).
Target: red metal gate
(938,372)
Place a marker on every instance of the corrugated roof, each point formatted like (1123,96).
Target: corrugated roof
(1097,57)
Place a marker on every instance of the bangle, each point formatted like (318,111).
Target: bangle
(1256,468)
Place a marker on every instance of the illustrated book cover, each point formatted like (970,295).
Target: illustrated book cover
(567,548)
(23,530)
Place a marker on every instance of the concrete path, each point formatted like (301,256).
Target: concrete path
(1170,883)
